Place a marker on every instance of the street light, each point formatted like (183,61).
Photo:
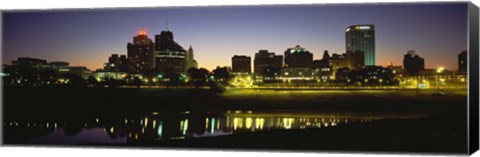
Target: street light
(440,69)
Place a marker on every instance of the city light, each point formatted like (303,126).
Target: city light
(142,32)
(440,69)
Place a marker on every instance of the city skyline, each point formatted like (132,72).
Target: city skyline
(87,38)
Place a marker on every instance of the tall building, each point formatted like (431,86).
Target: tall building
(116,63)
(462,61)
(241,65)
(355,60)
(190,60)
(298,57)
(264,59)
(169,55)
(140,53)
(361,38)
(326,56)
(413,63)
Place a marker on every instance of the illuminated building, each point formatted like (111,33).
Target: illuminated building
(462,62)
(169,55)
(323,68)
(288,74)
(265,62)
(190,60)
(80,71)
(298,57)
(361,38)
(59,66)
(241,65)
(372,75)
(102,75)
(342,74)
(397,70)
(27,62)
(140,53)
(412,63)
(116,63)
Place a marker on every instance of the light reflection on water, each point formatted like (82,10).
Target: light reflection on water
(160,126)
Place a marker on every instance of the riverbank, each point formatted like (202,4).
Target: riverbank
(74,102)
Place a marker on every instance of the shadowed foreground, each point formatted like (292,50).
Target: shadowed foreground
(442,128)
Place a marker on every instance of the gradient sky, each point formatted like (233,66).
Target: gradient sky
(437,32)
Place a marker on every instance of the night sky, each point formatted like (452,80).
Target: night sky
(438,32)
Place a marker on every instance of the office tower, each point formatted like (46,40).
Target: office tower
(361,38)
(169,55)
(413,63)
(298,57)
(241,64)
(140,53)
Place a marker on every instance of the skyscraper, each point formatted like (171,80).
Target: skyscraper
(169,55)
(413,63)
(361,38)
(241,64)
(140,53)
(190,60)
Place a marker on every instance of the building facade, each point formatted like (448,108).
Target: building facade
(140,54)
(169,55)
(361,38)
(81,71)
(298,57)
(264,59)
(296,74)
(27,62)
(116,63)
(338,61)
(355,59)
(413,63)
(241,65)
